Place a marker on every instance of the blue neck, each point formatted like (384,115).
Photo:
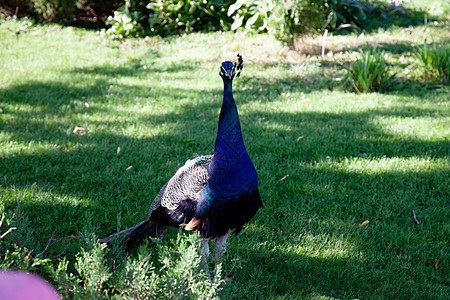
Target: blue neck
(231,164)
(229,132)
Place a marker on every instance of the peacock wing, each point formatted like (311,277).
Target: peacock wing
(187,182)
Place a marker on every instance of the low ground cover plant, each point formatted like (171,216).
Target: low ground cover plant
(434,61)
(370,73)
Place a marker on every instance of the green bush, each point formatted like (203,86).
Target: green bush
(125,23)
(294,18)
(254,15)
(167,17)
(166,270)
(287,19)
(346,13)
(284,19)
(434,61)
(370,73)
(177,16)
(169,269)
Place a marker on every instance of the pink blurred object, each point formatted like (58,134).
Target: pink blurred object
(17,285)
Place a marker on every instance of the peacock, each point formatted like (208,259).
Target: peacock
(211,194)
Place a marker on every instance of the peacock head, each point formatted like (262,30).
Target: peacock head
(228,68)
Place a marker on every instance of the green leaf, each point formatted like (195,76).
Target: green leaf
(251,21)
(237,22)
(234,7)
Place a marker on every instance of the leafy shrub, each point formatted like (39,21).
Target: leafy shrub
(169,269)
(294,18)
(172,270)
(288,19)
(175,16)
(166,17)
(346,13)
(125,23)
(284,19)
(370,73)
(255,13)
(434,61)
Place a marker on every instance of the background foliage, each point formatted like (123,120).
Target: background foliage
(85,13)
(284,19)
(168,17)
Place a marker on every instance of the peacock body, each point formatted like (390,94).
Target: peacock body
(212,194)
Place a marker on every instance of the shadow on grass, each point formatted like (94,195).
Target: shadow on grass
(293,276)
(82,177)
(138,67)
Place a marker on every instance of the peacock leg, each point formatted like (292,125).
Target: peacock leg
(220,250)
(220,247)
(159,231)
(205,254)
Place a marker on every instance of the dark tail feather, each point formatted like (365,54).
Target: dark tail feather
(136,233)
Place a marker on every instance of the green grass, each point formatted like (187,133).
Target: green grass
(350,158)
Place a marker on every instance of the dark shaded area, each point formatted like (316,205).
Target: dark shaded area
(385,16)
(91,14)
(20,8)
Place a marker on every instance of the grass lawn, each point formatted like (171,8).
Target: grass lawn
(340,173)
